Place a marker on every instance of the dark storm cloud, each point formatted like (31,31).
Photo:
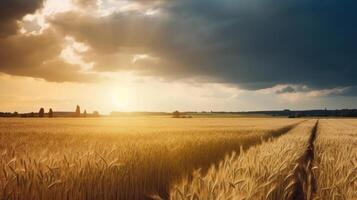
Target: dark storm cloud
(255,44)
(252,43)
(13,10)
(261,43)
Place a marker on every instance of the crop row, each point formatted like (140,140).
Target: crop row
(266,171)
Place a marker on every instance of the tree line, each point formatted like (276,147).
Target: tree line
(50,114)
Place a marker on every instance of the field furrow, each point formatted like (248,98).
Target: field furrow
(266,171)
(304,179)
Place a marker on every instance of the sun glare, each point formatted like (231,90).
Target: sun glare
(119,99)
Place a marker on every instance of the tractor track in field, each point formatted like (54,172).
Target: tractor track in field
(271,135)
(305,180)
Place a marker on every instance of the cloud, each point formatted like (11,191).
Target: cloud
(305,91)
(37,56)
(348,91)
(287,89)
(33,55)
(255,44)
(13,10)
(86,3)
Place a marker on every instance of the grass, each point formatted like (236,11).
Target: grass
(124,158)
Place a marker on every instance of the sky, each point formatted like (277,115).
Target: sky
(187,55)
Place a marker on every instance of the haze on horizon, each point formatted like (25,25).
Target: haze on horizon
(165,55)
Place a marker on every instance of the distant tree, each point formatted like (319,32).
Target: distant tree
(78,111)
(85,113)
(50,113)
(16,114)
(176,114)
(96,114)
(41,113)
(32,114)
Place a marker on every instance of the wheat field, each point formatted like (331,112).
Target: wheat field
(164,158)
(336,160)
(125,158)
(265,171)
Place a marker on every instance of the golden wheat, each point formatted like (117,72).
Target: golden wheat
(266,171)
(336,160)
(122,158)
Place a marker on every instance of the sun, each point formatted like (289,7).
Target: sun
(121,99)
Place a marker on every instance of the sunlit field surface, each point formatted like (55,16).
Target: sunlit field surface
(315,160)
(120,158)
(166,158)
(266,171)
(336,160)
